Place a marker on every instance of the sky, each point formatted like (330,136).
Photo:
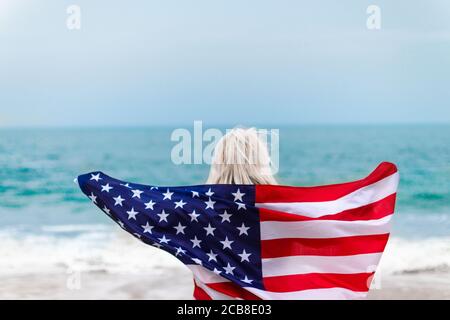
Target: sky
(154,63)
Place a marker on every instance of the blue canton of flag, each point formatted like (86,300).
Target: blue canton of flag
(214,226)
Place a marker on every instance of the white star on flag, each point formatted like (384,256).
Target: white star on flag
(211,256)
(93,198)
(225,216)
(163,239)
(209,193)
(247,280)
(137,193)
(196,242)
(195,194)
(96,177)
(147,228)
(168,195)
(163,216)
(197,261)
(118,201)
(180,204)
(229,269)
(180,251)
(244,256)
(193,216)
(150,204)
(243,229)
(210,204)
(126,185)
(209,230)
(132,214)
(238,195)
(106,188)
(241,206)
(226,243)
(180,228)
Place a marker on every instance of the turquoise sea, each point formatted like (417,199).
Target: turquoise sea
(39,201)
(37,168)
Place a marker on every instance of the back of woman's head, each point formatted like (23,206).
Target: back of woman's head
(241,157)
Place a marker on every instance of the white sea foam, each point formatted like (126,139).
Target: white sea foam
(105,249)
(96,248)
(429,255)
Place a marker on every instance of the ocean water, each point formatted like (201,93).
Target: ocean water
(43,214)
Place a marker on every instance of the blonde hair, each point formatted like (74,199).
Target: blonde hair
(241,157)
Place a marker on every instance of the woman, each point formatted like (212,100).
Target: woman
(258,240)
(241,157)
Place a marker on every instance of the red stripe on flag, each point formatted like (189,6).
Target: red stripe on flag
(200,294)
(233,290)
(274,194)
(359,282)
(372,211)
(323,247)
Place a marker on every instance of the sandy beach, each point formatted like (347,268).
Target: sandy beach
(102,264)
(413,287)
(176,283)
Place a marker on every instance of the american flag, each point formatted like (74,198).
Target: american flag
(261,241)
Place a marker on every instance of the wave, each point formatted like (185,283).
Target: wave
(85,248)
(415,256)
(100,248)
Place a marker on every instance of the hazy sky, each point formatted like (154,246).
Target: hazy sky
(224,62)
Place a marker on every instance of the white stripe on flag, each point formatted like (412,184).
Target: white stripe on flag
(313,294)
(322,229)
(356,199)
(291,265)
(215,295)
